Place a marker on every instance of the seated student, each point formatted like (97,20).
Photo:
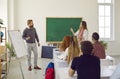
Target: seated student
(87,65)
(98,48)
(73,50)
(65,43)
(63,47)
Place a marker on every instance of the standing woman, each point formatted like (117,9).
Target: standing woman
(82,33)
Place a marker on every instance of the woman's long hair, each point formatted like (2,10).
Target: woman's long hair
(81,30)
(73,50)
(84,25)
(65,43)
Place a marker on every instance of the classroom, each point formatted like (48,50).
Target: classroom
(32,39)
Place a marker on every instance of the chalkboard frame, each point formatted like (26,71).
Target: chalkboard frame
(54,42)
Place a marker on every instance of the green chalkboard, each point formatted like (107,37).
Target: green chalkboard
(57,28)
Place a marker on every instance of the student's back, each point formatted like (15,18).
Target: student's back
(87,67)
(99,50)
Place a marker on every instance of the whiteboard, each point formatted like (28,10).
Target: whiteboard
(18,43)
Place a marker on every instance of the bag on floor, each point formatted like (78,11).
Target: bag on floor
(50,74)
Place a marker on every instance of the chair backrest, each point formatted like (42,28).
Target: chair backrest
(47,52)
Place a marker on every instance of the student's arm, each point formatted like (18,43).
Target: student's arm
(72,69)
(104,54)
(71,72)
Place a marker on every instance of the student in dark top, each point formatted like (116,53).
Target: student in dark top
(87,65)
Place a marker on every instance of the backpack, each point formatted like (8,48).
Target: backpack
(50,74)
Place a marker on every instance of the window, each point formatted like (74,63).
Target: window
(106,29)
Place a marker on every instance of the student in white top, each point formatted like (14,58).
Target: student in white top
(64,47)
(65,43)
(82,33)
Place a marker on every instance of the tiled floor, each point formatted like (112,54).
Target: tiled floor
(15,73)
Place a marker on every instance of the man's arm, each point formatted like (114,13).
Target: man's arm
(36,36)
(24,34)
(71,72)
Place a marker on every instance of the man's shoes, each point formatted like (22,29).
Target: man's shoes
(38,68)
(29,68)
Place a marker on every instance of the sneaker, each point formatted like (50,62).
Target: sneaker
(29,68)
(38,68)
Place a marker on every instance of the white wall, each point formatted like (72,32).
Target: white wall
(38,10)
(11,14)
(3,11)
